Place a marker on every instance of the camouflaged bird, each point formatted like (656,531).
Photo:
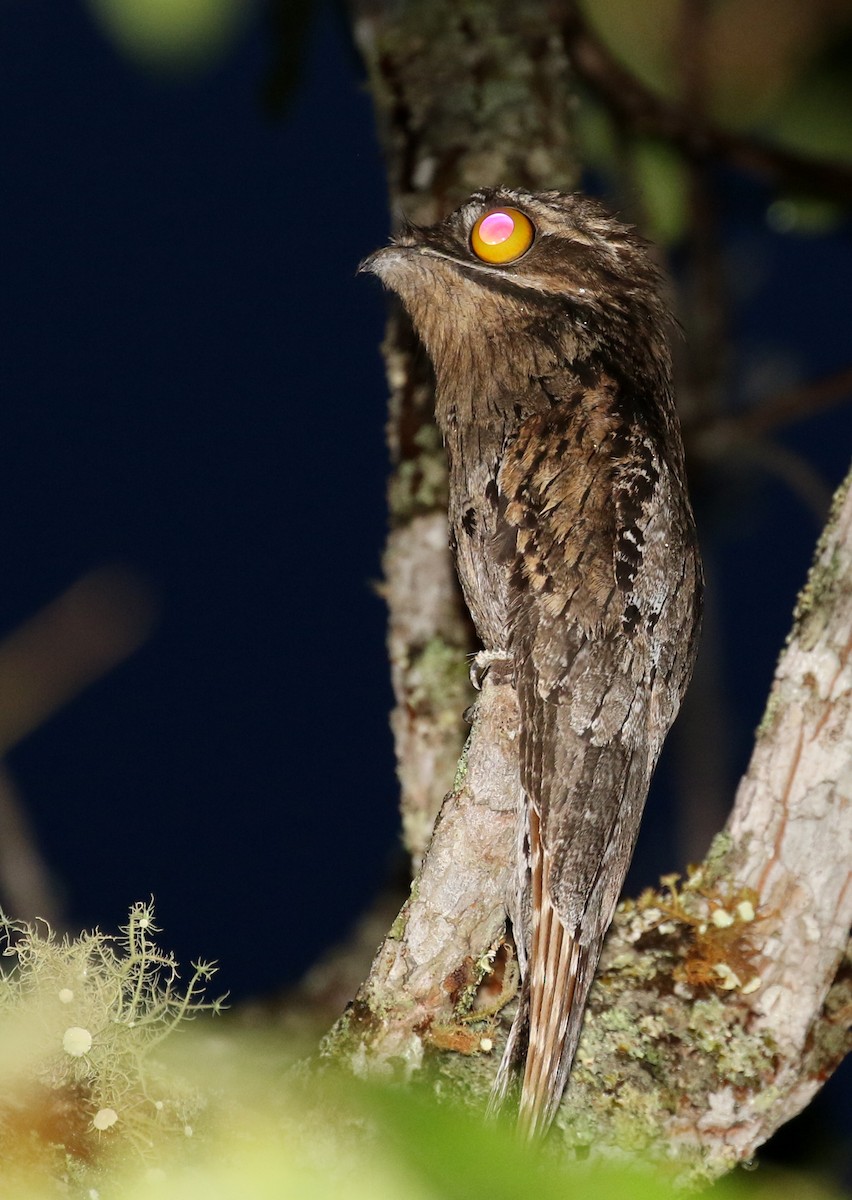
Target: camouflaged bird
(576,550)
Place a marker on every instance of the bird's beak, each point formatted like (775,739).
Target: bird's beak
(384,262)
(367,266)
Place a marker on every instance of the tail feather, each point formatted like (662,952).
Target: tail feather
(560,975)
(553,1003)
(548,1025)
(582,851)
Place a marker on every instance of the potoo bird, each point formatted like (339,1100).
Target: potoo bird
(575,545)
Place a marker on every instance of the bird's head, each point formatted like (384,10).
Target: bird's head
(538,280)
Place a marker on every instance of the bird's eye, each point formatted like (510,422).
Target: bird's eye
(502,235)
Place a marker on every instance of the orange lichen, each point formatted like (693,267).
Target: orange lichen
(478,991)
(460,980)
(462,1038)
(720,922)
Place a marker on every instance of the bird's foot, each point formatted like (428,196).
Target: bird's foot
(488,661)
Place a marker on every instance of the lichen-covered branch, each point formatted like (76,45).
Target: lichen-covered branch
(674,1062)
(467,93)
(791,826)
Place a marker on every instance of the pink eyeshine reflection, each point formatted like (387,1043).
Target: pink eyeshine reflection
(496,228)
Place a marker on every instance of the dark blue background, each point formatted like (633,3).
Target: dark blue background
(191,385)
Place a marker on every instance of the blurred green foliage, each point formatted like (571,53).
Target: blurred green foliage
(754,56)
(172,35)
(263,1125)
(776,70)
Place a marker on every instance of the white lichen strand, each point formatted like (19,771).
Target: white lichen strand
(125,1000)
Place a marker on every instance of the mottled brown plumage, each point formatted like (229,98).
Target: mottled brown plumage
(576,550)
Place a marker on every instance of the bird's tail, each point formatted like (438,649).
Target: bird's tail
(561,974)
(593,842)
(558,973)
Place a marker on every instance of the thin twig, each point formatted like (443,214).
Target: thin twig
(796,404)
(705,293)
(27,887)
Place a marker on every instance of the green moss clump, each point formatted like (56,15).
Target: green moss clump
(419,485)
(440,681)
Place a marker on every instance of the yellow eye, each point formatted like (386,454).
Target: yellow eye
(502,235)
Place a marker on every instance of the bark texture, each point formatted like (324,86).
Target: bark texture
(424,980)
(792,821)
